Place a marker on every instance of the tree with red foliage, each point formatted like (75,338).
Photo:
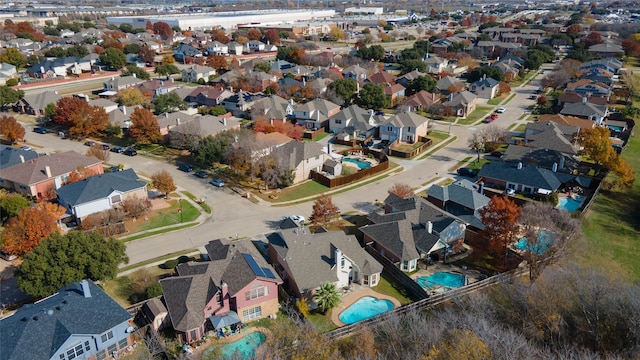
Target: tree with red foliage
(402,190)
(500,218)
(67,106)
(147,54)
(272,37)
(163,29)
(631,47)
(144,127)
(217,62)
(11,129)
(149,25)
(573,29)
(324,211)
(220,36)
(254,34)
(593,38)
(78,174)
(34,223)
(503,88)
(81,118)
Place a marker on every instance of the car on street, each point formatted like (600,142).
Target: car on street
(6,256)
(89,143)
(117,149)
(26,148)
(497,154)
(297,218)
(217,182)
(130,152)
(533,97)
(490,118)
(466,172)
(201,174)
(40,130)
(185,168)
(501,109)
(105,147)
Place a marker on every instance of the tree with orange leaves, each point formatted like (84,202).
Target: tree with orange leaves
(78,174)
(254,34)
(220,36)
(11,129)
(34,223)
(402,190)
(217,62)
(92,121)
(163,29)
(144,127)
(500,218)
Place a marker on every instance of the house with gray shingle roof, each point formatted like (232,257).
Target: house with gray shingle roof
(422,100)
(79,321)
(355,121)
(355,72)
(117,83)
(39,176)
(606,50)
(541,157)
(300,157)
(315,114)
(462,198)
(241,102)
(272,108)
(586,110)
(485,88)
(462,103)
(10,156)
(411,229)
(447,83)
(528,179)
(197,72)
(404,127)
(305,261)
(186,135)
(236,283)
(34,104)
(551,136)
(101,192)
(7,71)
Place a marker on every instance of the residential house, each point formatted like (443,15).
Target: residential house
(262,81)
(412,229)
(155,87)
(405,127)
(355,72)
(106,104)
(606,50)
(188,135)
(497,49)
(197,72)
(586,110)
(167,121)
(34,104)
(135,60)
(235,48)
(567,120)
(541,157)
(118,83)
(39,176)
(435,64)
(448,84)
(315,114)
(101,192)
(528,179)
(319,86)
(216,48)
(10,156)
(241,102)
(442,46)
(382,78)
(485,88)
(80,321)
(254,46)
(355,121)
(272,108)
(7,71)
(461,103)
(569,97)
(611,65)
(121,116)
(184,51)
(59,68)
(394,93)
(552,136)
(510,67)
(405,79)
(305,261)
(420,101)
(235,285)
(208,96)
(227,79)
(462,198)
(300,157)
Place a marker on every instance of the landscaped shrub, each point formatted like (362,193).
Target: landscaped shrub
(184,259)
(154,290)
(169,264)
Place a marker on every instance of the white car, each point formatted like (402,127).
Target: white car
(297,218)
(501,109)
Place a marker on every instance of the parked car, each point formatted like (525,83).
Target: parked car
(217,182)
(6,256)
(115,168)
(466,172)
(89,143)
(297,218)
(26,148)
(185,168)
(501,109)
(489,119)
(130,152)
(117,149)
(201,174)
(40,130)
(105,147)
(497,154)
(510,191)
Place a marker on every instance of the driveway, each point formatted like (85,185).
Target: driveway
(9,292)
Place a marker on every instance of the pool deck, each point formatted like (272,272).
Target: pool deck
(350,297)
(197,351)
(472,275)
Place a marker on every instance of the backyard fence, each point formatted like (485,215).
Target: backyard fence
(392,271)
(426,143)
(312,134)
(332,182)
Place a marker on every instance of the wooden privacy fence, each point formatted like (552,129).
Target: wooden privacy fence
(332,182)
(311,134)
(391,270)
(426,143)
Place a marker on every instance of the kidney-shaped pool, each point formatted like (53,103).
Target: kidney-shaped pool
(365,308)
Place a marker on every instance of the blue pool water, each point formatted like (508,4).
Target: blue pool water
(614,128)
(245,347)
(361,164)
(365,308)
(441,278)
(545,239)
(570,204)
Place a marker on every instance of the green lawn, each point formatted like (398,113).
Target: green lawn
(387,288)
(475,115)
(612,226)
(171,215)
(202,204)
(495,101)
(518,127)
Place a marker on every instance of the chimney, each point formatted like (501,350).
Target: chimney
(224,290)
(561,164)
(554,168)
(47,171)
(481,188)
(42,69)
(484,76)
(584,99)
(177,121)
(224,121)
(519,165)
(329,148)
(85,288)
(429,227)
(21,158)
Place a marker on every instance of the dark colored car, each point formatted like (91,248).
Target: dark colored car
(201,174)
(40,130)
(89,143)
(467,172)
(117,149)
(217,182)
(130,152)
(497,154)
(185,168)
(105,147)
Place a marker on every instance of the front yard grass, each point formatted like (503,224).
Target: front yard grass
(202,204)
(477,114)
(407,148)
(167,216)
(131,289)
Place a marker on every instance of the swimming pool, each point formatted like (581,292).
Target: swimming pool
(361,164)
(365,308)
(545,239)
(245,347)
(570,204)
(615,128)
(442,278)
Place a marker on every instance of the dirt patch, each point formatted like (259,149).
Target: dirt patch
(159,203)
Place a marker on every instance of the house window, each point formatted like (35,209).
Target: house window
(123,343)
(389,128)
(87,346)
(408,128)
(365,279)
(107,336)
(405,265)
(75,351)
(252,313)
(115,199)
(342,262)
(193,335)
(338,121)
(256,292)
(102,355)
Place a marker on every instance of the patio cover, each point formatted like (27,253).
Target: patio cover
(220,321)
(108,93)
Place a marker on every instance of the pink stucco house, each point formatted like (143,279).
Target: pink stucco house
(235,285)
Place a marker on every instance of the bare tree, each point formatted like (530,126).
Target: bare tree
(555,79)
(135,206)
(494,133)
(476,141)
(96,150)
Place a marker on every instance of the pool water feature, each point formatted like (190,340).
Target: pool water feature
(545,240)
(441,279)
(365,308)
(570,204)
(361,164)
(245,347)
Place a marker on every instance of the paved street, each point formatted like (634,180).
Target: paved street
(234,216)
